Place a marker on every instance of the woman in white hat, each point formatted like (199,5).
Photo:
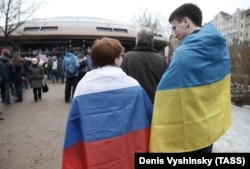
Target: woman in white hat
(36,75)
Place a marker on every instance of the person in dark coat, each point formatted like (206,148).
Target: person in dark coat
(71,78)
(18,81)
(4,77)
(36,75)
(25,74)
(83,67)
(8,78)
(144,63)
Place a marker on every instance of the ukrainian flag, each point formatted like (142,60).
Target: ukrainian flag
(192,107)
(109,120)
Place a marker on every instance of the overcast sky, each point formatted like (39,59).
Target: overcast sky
(124,10)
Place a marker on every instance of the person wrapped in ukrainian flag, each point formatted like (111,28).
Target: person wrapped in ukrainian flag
(192,107)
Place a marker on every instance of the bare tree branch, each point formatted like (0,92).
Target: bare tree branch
(240,60)
(15,13)
(145,18)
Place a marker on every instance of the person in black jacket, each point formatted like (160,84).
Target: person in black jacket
(83,67)
(8,78)
(4,73)
(18,78)
(144,63)
(4,77)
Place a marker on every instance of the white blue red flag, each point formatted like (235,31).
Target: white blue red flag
(109,120)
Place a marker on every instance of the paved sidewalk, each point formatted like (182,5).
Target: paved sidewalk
(32,133)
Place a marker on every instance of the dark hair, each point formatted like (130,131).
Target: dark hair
(6,54)
(189,10)
(104,51)
(145,37)
(71,50)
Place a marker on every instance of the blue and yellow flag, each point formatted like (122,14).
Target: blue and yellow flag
(192,107)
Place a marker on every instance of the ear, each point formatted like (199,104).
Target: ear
(186,21)
(116,61)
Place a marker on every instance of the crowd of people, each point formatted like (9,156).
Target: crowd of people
(19,73)
(133,101)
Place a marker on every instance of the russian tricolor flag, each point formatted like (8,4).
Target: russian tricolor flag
(109,120)
(192,106)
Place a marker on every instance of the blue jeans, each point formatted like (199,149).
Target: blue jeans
(6,93)
(19,91)
(54,75)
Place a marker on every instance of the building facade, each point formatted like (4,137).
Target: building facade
(235,27)
(59,33)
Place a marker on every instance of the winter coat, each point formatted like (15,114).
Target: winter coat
(10,65)
(36,75)
(18,73)
(4,72)
(65,62)
(146,65)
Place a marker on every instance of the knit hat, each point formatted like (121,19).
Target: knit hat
(34,61)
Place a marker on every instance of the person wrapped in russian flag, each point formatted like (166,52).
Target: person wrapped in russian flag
(192,107)
(110,115)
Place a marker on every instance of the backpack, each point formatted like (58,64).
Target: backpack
(83,69)
(71,68)
(54,65)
